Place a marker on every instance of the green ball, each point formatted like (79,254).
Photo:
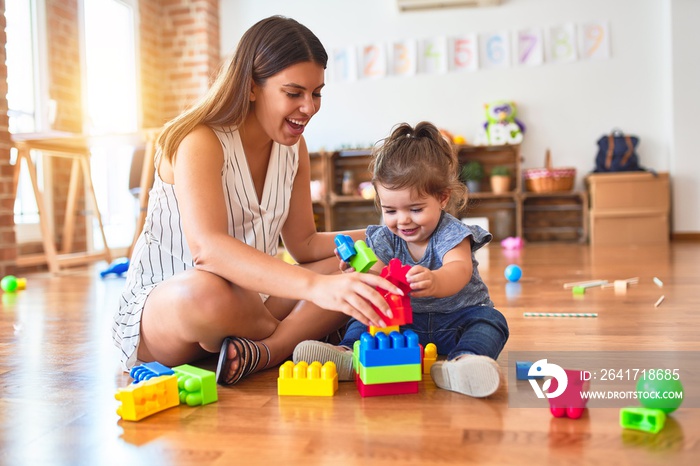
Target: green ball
(9,283)
(654,384)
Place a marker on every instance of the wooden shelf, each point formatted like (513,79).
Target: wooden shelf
(557,216)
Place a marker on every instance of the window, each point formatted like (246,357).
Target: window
(111,99)
(25,98)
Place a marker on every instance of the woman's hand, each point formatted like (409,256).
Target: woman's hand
(354,294)
(422,281)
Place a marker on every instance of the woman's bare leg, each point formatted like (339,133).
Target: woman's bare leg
(301,320)
(188,316)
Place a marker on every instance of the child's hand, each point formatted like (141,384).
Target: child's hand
(343,266)
(422,281)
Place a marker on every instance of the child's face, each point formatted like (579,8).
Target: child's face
(410,216)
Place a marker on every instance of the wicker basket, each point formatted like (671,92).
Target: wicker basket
(548,179)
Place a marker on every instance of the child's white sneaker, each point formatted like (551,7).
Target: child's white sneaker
(312,350)
(472,375)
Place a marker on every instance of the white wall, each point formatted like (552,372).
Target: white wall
(566,107)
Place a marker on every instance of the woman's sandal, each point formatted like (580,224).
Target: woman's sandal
(247,354)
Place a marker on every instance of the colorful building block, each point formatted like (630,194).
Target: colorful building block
(390,374)
(358,255)
(149,370)
(389,350)
(387,330)
(345,246)
(196,386)
(571,403)
(429,357)
(364,258)
(149,397)
(521,370)
(383,389)
(646,419)
(395,272)
(307,380)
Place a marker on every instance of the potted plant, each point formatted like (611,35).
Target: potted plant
(472,174)
(500,179)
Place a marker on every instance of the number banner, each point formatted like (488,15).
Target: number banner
(464,53)
(594,40)
(494,50)
(403,60)
(529,47)
(372,61)
(433,55)
(344,64)
(561,43)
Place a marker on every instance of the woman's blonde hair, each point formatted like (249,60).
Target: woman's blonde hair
(268,47)
(419,158)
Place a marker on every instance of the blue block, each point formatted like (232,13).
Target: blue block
(521,370)
(119,267)
(394,349)
(148,370)
(346,247)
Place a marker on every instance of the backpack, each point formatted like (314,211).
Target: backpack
(616,153)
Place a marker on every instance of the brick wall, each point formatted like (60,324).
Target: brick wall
(179,47)
(179,55)
(8,247)
(63,37)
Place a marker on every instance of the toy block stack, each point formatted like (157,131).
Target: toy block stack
(157,387)
(308,380)
(358,255)
(387,364)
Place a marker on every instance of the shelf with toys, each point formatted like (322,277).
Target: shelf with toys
(347,200)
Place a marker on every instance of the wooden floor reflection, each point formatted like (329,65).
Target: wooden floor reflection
(59,373)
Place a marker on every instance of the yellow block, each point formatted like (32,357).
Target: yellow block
(140,400)
(375,330)
(429,357)
(307,380)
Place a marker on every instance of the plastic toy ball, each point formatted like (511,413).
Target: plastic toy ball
(9,284)
(513,273)
(659,381)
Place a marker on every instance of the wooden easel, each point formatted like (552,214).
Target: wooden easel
(76,148)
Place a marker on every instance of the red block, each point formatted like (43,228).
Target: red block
(400,306)
(382,389)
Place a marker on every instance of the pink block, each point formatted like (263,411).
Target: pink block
(570,403)
(382,389)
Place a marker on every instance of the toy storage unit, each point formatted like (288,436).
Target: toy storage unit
(629,208)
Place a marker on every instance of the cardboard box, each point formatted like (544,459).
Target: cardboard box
(630,191)
(625,230)
(629,208)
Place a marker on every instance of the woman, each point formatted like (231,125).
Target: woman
(232,176)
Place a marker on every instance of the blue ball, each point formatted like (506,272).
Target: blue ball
(513,273)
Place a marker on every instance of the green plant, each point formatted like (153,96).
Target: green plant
(472,171)
(500,170)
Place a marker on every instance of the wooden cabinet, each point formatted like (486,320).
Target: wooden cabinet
(336,210)
(504,210)
(558,216)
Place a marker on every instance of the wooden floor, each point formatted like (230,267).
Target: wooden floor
(59,373)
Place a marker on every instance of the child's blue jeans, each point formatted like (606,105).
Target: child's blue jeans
(478,330)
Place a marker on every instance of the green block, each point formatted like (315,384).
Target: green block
(364,258)
(646,419)
(578,290)
(390,374)
(196,386)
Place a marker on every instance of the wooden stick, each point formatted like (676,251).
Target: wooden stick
(585,284)
(658,303)
(560,314)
